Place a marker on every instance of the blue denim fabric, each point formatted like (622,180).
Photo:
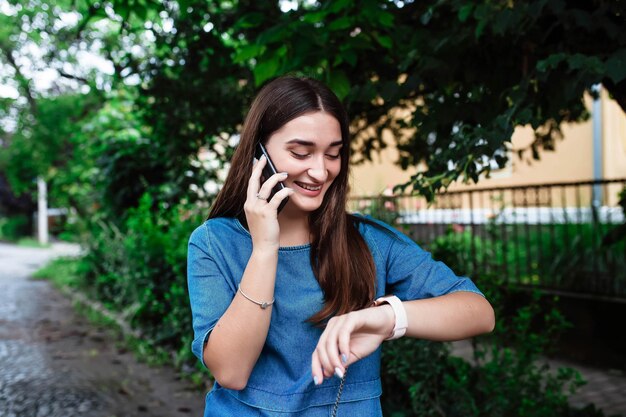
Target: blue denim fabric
(281,380)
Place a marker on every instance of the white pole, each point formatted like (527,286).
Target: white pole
(596,114)
(42,211)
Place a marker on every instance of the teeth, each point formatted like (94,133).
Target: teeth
(308,187)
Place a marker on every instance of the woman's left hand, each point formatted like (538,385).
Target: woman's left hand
(348,338)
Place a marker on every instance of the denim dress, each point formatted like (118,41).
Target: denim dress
(281,383)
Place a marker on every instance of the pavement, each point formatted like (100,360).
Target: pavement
(55,363)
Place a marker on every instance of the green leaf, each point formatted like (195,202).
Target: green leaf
(265,69)
(342,23)
(141,11)
(465,12)
(384,41)
(550,62)
(339,83)
(248,51)
(385,19)
(338,5)
(315,17)
(350,57)
(276,33)
(250,20)
(616,66)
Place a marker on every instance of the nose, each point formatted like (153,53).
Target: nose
(317,170)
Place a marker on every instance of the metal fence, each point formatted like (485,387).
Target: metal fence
(553,236)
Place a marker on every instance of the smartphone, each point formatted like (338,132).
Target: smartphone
(268,170)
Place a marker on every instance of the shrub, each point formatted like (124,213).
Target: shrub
(140,270)
(506,375)
(14,227)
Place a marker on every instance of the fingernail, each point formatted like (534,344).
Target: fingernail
(316,380)
(284,174)
(338,372)
(344,358)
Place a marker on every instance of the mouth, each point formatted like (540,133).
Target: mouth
(308,187)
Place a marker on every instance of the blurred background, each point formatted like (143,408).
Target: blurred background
(491,132)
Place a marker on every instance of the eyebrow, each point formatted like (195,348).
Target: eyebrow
(312,144)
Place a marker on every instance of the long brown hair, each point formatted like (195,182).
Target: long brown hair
(341,260)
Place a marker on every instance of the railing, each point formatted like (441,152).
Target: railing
(552,236)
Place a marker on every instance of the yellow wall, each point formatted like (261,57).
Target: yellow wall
(571,161)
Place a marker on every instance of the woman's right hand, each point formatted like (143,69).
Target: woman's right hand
(261,214)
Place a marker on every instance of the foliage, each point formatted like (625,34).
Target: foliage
(14,227)
(42,146)
(564,256)
(381,208)
(450,79)
(63,272)
(618,233)
(505,375)
(123,266)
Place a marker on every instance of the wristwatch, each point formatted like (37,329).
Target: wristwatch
(398,309)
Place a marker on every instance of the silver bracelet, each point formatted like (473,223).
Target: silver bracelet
(263,305)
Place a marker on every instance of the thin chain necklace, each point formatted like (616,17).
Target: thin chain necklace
(343,380)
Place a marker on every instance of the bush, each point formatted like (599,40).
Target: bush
(141,271)
(506,375)
(14,227)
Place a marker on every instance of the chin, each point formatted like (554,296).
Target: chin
(305,204)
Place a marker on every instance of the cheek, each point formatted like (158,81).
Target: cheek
(334,170)
(285,164)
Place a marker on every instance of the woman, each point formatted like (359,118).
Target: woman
(284,304)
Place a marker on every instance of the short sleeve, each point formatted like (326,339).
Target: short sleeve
(410,272)
(413,274)
(209,292)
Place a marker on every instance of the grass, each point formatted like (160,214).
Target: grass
(62,272)
(29,242)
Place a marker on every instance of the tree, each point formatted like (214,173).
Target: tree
(465,72)
(66,43)
(450,79)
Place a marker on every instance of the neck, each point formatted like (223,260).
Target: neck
(294,228)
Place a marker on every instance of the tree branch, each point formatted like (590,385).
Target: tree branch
(23,82)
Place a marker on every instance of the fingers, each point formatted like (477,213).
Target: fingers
(257,193)
(266,189)
(279,197)
(255,178)
(332,354)
(316,369)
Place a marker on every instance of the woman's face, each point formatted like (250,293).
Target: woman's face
(307,148)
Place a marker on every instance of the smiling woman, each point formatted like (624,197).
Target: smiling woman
(307,150)
(285,302)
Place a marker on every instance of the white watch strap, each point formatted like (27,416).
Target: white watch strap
(398,309)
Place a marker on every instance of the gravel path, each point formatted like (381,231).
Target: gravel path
(54,363)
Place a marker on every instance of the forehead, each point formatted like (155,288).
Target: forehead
(318,127)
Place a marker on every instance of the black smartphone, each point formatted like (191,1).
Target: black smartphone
(268,170)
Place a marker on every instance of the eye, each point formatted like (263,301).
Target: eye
(299,155)
(333,156)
